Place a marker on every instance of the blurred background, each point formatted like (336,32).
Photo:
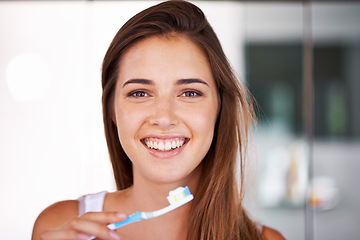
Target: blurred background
(301,61)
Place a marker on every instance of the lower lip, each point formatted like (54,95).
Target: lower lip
(165,154)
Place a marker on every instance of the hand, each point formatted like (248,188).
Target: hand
(89,224)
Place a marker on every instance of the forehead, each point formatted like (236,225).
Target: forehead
(176,42)
(174,53)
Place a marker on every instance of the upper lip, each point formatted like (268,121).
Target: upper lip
(164,137)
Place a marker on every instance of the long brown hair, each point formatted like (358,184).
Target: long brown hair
(217,212)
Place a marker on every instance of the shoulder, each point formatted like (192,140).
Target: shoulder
(271,234)
(55,216)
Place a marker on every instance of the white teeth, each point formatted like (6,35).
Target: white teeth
(166,145)
(161,146)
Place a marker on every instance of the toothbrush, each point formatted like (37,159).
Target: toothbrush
(176,198)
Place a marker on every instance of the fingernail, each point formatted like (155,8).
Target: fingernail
(121,215)
(114,235)
(81,236)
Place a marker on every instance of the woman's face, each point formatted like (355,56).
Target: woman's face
(166,105)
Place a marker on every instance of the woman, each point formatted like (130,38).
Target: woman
(174,115)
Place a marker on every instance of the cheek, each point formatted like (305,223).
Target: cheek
(203,122)
(126,120)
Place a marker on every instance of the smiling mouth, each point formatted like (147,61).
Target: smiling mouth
(164,145)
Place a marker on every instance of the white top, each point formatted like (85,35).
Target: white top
(91,202)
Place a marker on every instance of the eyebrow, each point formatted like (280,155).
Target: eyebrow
(138,81)
(179,82)
(191,81)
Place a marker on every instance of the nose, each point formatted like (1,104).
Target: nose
(163,114)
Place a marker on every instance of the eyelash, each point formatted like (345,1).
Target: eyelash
(136,94)
(192,92)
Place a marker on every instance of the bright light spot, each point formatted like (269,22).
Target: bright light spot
(28,77)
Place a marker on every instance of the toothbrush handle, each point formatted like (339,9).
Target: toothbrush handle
(135,217)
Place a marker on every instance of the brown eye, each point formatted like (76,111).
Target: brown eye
(191,94)
(138,94)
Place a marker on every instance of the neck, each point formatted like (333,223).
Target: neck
(145,195)
(156,193)
(148,196)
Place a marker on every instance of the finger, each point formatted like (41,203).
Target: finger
(64,235)
(92,228)
(104,217)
